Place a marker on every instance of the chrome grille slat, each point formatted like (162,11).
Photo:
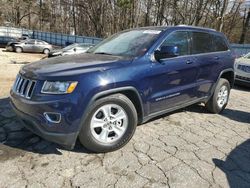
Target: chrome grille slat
(17,80)
(28,88)
(24,87)
(19,84)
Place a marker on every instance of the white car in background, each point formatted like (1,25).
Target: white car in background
(76,48)
(242,70)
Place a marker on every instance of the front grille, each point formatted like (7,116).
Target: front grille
(244,68)
(24,87)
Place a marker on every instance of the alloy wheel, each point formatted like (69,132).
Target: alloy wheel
(222,97)
(109,123)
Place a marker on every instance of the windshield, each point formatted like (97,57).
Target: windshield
(129,43)
(247,56)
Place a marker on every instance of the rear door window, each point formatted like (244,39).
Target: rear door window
(201,43)
(219,43)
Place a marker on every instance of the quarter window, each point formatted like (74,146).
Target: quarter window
(219,43)
(179,39)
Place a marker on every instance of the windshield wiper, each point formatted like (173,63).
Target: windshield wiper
(104,53)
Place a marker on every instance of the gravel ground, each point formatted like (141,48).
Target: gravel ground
(10,63)
(187,148)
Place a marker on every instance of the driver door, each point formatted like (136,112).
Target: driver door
(173,80)
(29,46)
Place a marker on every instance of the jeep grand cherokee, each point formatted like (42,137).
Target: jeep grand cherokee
(125,80)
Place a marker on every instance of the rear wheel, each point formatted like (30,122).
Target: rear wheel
(12,47)
(19,49)
(109,125)
(219,100)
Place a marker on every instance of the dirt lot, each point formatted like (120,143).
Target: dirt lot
(187,148)
(10,64)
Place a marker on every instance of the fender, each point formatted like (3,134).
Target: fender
(108,92)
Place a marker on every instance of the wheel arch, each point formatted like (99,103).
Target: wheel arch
(129,92)
(18,47)
(46,49)
(228,74)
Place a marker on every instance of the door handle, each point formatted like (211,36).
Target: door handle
(189,62)
(216,58)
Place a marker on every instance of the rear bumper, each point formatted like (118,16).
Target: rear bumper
(65,139)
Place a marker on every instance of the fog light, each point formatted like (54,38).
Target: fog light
(52,117)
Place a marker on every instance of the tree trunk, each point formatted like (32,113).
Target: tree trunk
(245,27)
(74,17)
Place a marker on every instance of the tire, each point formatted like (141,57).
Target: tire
(91,134)
(46,51)
(218,102)
(18,50)
(12,47)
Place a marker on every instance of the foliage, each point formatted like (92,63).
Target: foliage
(104,17)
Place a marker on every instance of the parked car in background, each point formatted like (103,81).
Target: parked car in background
(33,45)
(76,48)
(131,77)
(5,40)
(10,46)
(242,70)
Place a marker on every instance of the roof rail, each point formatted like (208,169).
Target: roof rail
(183,25)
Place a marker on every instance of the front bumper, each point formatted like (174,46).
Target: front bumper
(240,80)
(66,140)
(32,115)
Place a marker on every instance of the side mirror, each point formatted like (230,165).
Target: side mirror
(166,52)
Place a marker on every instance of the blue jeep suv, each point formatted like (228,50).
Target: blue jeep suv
(135,75)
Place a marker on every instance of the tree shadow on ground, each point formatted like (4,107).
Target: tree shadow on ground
(237,166)
(235,115)
(15,139)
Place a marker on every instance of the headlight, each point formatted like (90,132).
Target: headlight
(235,65)
(57,53)
(58,87)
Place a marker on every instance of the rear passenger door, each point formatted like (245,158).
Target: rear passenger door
(203,51)
(173,80)
(39,45)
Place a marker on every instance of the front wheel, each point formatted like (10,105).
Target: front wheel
(109,124)
(46,51)
(219,99)
(19,49)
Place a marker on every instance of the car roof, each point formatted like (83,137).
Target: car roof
(162,28)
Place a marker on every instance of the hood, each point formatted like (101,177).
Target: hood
(243,61)
(71,65)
